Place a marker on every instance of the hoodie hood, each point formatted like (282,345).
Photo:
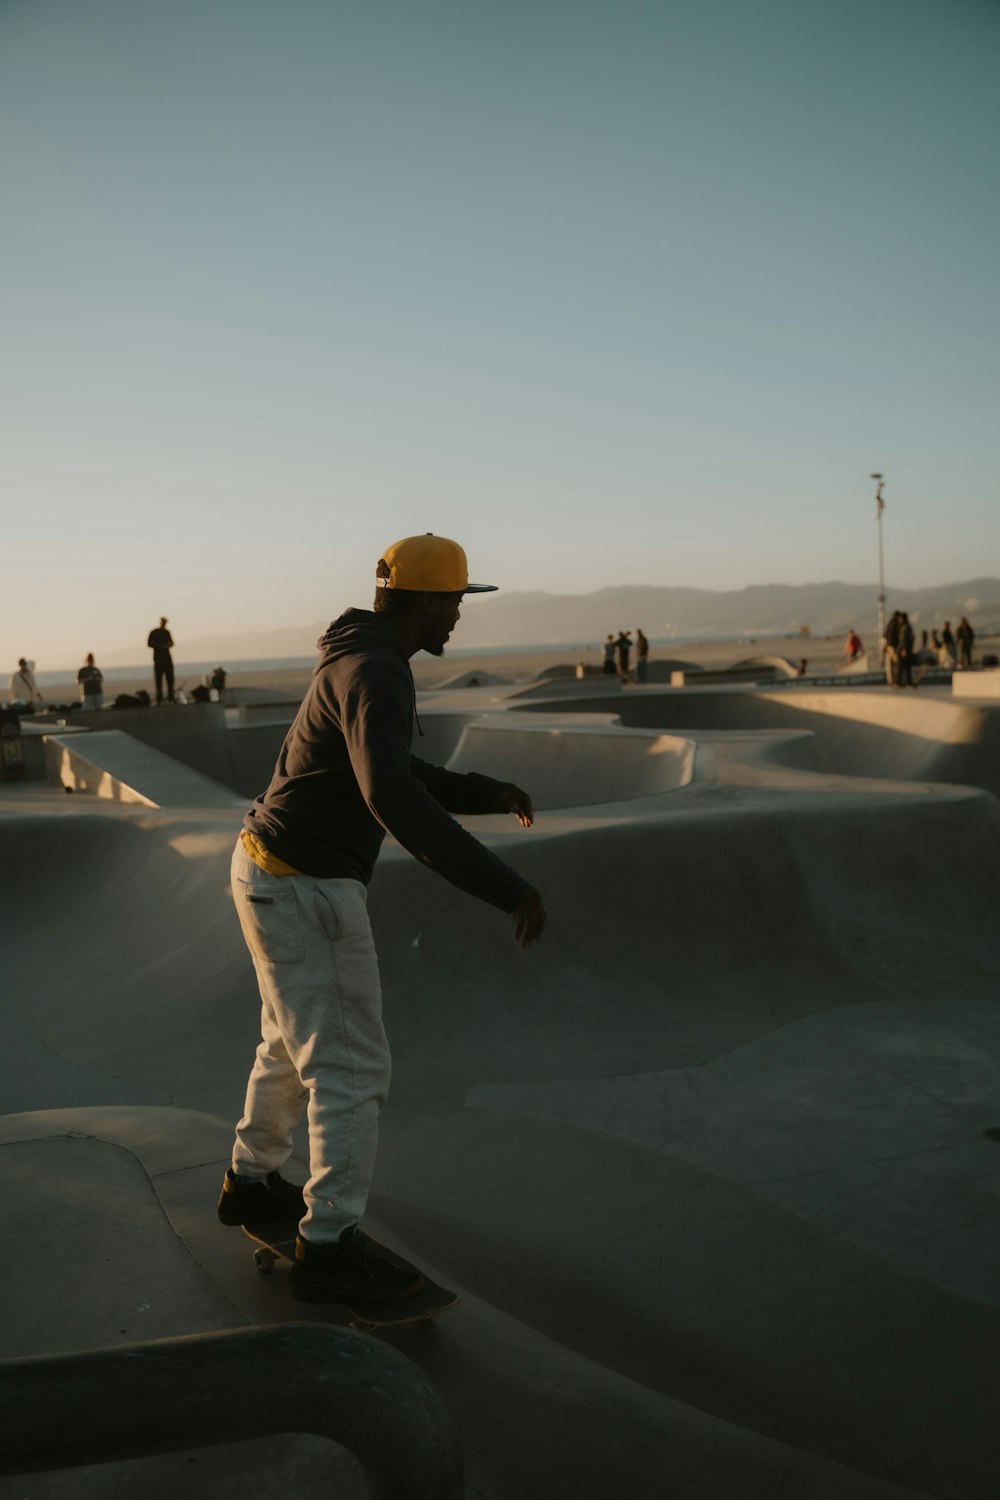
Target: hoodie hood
(354,630)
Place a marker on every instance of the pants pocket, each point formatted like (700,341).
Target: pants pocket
(328,916)
(271,919)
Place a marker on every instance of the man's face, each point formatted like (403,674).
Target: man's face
(441,617)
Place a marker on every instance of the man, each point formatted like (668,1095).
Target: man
(641,654)
(964,637)
(624,645)
(904,652)
(610,651)
(91,681)
(948,643)
(892,650)
(160,642)
(345,777)
(23,687)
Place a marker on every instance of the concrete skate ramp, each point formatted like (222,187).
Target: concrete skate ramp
(710,1165)
(193,734)
(581,765)
(117,767)
(473,678)
(570,764)
(925,736)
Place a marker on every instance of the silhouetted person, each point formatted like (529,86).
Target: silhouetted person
(23,687)
(904,652)
(218,680)
(609,656)
(948,642)
(623,646)
(91,681)
(892,649)
(160,642)
(964,636)
(803,667)
(641,654)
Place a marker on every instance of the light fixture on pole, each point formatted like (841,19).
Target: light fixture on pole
(879,508)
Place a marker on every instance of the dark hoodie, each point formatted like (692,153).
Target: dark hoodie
(345,775)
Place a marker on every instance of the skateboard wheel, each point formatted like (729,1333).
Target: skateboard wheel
(264,1260)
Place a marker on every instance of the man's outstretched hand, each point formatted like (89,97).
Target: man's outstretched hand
(529,920)
(518,803)
(529,917)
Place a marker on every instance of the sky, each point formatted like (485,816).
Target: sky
(611,293)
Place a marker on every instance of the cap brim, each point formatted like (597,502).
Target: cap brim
(480,588)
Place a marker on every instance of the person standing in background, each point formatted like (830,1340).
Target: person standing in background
(609,656)
(852,646)
(892,650)
(160,641)
(641,654)
(91,681)
(624,645)
(904,653)
(964,637)
(948,643)
(23,687)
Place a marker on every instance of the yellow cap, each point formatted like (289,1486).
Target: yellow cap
(428,565)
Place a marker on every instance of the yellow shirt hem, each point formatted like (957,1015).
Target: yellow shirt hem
(254,849)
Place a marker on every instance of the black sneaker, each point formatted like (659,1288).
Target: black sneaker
(244,1200)
(353,1268)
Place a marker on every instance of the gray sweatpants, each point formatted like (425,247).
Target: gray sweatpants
(322,1039)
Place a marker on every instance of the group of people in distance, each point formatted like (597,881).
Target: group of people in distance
(952,650)
(618,654)
(24,692)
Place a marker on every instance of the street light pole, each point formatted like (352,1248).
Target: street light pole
(879,508)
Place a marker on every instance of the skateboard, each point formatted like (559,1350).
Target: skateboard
(276,1242)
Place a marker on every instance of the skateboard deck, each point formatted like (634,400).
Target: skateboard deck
(276,1242)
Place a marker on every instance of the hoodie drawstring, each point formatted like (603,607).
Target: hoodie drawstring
(413,689)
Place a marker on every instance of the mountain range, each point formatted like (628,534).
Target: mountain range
(664,613)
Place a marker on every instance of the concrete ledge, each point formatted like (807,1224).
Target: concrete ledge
(192,733)
(113,765)
(764,670)
(984,683)
(33,735)
(274,711)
